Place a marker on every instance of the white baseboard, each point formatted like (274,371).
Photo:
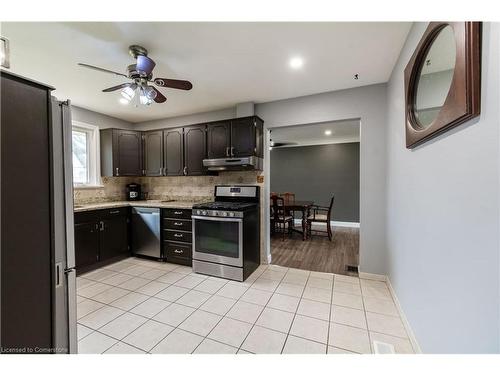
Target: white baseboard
(346,224)
(406,323)
(372,276)
(404,319)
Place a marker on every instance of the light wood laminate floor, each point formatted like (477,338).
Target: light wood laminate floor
(318,253)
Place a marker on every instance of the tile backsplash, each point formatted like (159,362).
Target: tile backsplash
(193,188)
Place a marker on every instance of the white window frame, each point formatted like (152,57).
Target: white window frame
(94,154)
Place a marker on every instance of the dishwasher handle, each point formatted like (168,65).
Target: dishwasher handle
(146,211)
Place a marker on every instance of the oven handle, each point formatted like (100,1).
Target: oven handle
(210,218)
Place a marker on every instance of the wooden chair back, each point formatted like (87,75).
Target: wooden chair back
(330,209)
(288,197)
(279,207)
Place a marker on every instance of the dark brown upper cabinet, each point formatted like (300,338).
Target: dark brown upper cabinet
(219,139)
(173,141)
(235,138)
(153,153)
(121,152)
(443,80)
(195,150)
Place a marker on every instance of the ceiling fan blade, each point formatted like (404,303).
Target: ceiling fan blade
(118,87)
(174,83)
(159,98)
(102,69)
(145,64)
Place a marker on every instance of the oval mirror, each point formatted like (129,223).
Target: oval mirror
(434,78)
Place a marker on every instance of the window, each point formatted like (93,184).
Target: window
(85,146)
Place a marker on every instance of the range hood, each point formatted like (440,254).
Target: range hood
(234,164)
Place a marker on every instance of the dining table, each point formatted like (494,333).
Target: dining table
(303,206)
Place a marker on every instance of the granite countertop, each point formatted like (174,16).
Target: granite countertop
(146,203)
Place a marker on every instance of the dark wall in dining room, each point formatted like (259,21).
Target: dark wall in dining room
(316,172)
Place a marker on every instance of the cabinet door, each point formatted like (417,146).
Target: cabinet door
(173,141)
(218,139)
(86,244)
(242,137)
(113,237)
(195,150)
(127,153)
(153,153)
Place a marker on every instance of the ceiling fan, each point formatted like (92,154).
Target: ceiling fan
(141,73)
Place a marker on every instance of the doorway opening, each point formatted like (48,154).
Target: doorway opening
(314,196)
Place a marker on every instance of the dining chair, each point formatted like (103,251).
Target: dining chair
(281,217)
(289,200)
(321,215)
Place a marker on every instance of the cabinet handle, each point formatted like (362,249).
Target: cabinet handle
(185,171)
(227,151)
(178,224)
(178,235)
(178,212)
(178,251)
(117,171)
(101,226)
(232,151)
(114,212)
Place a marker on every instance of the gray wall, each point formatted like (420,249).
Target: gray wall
(98,119)
(317,172)
(367,103)
(443,218)
(196,118)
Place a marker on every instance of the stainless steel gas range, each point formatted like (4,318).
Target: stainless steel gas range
(226,233)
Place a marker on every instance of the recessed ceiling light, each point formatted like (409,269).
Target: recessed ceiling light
(328,132)
(123,101)
(296,62)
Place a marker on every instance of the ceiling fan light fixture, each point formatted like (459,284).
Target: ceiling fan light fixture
(129,92)
(150,92)
(144,100)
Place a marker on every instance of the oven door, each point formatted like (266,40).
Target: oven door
(218,240)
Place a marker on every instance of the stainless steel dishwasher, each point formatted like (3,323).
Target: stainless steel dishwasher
(146,232)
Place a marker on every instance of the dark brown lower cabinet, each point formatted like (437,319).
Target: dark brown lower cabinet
(86,244)
(113,240)
(100,236)
(177,236)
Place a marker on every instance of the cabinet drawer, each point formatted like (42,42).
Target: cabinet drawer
(177,250)
(110,212)
(175,213)
(173,235)
(184,225)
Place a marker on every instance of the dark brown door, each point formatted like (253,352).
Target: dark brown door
(86,244)
(242,137)
(113,237)
(128,153)
(218,139)
(153,153)
(173,140)
(195,150)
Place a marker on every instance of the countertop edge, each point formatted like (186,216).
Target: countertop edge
(153,204)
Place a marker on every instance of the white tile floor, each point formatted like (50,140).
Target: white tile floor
(141,306)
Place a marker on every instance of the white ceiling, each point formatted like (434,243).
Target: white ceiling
(228,63)
(314,134)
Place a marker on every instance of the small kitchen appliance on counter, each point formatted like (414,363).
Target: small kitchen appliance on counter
(133,192)
(226,233)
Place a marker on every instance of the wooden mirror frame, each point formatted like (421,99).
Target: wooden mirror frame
(463,101)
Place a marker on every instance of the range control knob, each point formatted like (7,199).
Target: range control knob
(198,212)
(231,214)
(224,213)
(203,212)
